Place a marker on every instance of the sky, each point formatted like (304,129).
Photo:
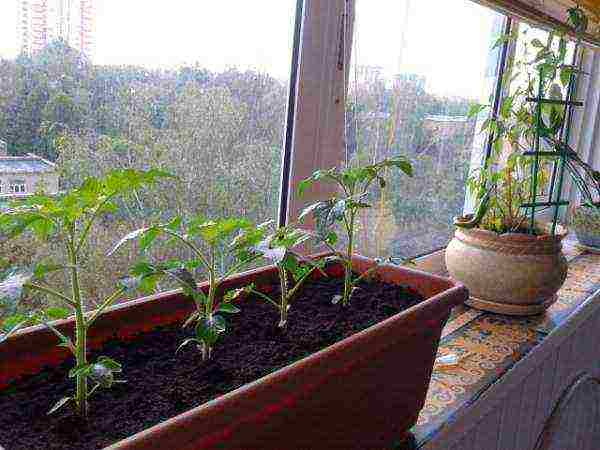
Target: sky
(447,41)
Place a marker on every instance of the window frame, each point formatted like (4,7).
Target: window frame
(317,128)
(17,186)
(318,124)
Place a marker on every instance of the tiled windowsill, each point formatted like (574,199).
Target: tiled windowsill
(489,345)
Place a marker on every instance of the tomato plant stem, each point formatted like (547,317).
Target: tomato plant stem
(283,308)
(348,262)
(81,394)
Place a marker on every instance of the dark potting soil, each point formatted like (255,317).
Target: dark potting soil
(161,384)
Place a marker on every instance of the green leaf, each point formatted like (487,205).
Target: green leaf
(16,221)
(174,224)
(148,238)
(401,163)
(537,43)
(235,294)
(331,238)
(578,19)
(11,322)
(485,125)
(42,269)
(547,71)
(476,109)
(506,107)
(59,404)
(83,370)
(43,229)
(143,268)
(289,237)
(503,39)
(215,232)
(565,75)
(208,330)
(304,185)
(56,313)
(292,265)
(228,308)
(250,236)
(109,363)
(11,325)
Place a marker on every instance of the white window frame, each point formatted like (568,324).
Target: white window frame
(318,141)
(318,124)
(585,126)
(17,187)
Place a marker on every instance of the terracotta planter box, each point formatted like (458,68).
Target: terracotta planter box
(362,392)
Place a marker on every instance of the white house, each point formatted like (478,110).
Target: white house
(25,175)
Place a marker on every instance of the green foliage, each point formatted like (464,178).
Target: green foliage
(354,183)
(578,19)
(68,219)
(504,188)
(293,269)
(207,242)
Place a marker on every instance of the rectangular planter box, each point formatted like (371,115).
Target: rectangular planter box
(363,392)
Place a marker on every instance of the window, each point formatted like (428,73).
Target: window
(16,187)
(205,99)
(410,90)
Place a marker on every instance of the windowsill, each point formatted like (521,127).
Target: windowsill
(489,345)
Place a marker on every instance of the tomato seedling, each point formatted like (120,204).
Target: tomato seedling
(208,241)
(354,184)
(68,219)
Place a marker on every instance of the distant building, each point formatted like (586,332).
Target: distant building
(40,22)
(363,74)
(449,126)
(21,176)
(410,81)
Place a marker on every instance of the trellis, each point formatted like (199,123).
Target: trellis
(555,199)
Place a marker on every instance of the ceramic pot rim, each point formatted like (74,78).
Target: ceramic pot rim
(514,243)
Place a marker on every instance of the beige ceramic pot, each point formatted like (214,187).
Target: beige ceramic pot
(511,273)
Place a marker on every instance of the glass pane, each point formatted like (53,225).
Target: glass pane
(196,88)
(414,76)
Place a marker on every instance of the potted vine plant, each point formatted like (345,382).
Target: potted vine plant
(585,220)
(510,260)
(270,355)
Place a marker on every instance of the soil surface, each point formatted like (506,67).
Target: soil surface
(161,384)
